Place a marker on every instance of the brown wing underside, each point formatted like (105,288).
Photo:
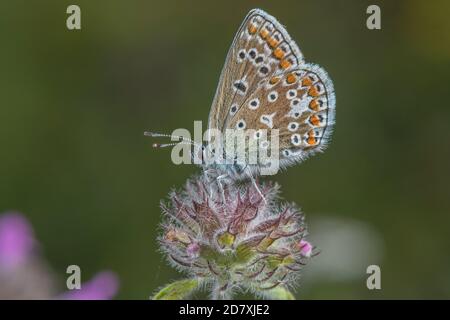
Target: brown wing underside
(265,84)
(260,49)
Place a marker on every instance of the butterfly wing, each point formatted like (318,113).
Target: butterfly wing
(265,84)
(300,103)
(260,49)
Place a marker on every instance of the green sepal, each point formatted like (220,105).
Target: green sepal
(177,290)
(279,293)
(244,252)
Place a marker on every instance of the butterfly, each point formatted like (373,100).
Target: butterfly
(266,85)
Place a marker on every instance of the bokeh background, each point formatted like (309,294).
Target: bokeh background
(74,106)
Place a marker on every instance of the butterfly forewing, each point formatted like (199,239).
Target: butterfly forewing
(260,49)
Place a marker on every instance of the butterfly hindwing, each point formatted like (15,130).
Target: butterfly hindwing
(300,104)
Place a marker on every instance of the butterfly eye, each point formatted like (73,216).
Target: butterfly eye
(286,152)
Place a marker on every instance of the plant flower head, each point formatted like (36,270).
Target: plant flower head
(233,238)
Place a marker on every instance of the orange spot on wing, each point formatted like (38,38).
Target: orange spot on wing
(252,28)
(278,53)
(264,33)
(314,120)
(291,78)
(285,64)
(314,105)
(274,80)
(313,92)
(311,138)
(306,82)
(272,42)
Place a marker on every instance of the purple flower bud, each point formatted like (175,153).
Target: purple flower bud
(193,250)
(305,248)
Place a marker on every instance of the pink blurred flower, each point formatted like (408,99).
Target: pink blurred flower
(16,240)
(103,286)
(25,275)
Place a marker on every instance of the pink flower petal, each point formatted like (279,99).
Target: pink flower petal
(305,248)
(16,240)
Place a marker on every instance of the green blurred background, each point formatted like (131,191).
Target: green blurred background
(74,106)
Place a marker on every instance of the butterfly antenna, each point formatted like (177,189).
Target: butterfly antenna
(184,140)
(164,145)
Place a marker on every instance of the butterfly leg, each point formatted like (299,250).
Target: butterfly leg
(208,180)
(222,190)
(256,187)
